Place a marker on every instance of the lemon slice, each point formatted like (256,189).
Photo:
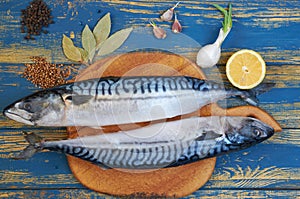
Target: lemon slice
(245,69)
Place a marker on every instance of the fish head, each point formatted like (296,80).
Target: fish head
(44,108)
(250,131)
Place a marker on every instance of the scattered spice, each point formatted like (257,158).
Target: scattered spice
(36,16)
(168,14)
(46,75)
(158,32)
(176,27)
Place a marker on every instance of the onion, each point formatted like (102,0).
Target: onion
(209,55)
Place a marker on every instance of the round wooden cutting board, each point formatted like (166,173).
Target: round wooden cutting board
(166,182)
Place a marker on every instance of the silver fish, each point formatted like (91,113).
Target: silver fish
(160,145)
(120,100)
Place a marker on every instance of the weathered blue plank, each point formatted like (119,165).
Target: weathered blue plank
(201,22)
(270,27)
(83,194)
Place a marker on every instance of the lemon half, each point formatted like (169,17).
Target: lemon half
(245,69)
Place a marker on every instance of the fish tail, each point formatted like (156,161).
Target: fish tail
(35,145)
(250,96)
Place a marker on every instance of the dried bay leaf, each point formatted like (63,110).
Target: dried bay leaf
(114,41)
(84,54)
(102,29)
(88,42)
(70,51)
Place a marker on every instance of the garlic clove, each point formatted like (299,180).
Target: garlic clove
(176,27)
(158,32)
(168,14)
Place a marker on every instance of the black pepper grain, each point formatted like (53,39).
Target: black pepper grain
(36,16)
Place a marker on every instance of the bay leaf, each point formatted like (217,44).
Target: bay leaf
(84,54)
(88,42)
(102,29)
(114,41)
(70,51)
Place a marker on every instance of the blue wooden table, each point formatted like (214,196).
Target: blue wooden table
(270,169)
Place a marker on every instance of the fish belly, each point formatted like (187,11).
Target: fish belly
(133,110)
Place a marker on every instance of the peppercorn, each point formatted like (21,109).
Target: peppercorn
(45,74)
(36,16)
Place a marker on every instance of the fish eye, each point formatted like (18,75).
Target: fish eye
(257,132)
(69,98)
(27,106)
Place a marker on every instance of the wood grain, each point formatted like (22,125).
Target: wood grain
(269,27)
(206,194)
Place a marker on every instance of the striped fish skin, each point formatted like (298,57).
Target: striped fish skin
(119,100)
(188,141)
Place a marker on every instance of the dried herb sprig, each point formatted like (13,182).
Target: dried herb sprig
(96,42)
(45,74)
(36,16)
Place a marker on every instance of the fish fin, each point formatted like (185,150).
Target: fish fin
(262,88)
(27,153)
(103,166)
(250,96)
(32,138)
(96,127)
(208,135)
(79,99)
(33,147)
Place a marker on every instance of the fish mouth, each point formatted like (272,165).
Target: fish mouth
(270,131)
(14,116)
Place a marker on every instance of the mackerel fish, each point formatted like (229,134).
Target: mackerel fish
(160,145)
(121,100)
